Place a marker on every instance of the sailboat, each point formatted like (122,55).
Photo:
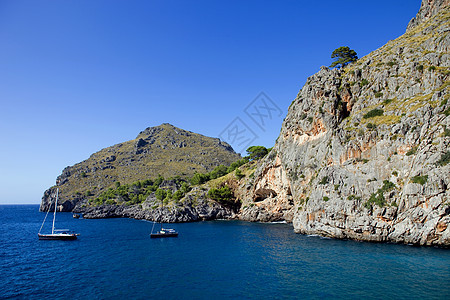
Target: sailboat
(163,232)
(57,234)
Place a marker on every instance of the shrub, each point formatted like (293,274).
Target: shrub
(239,174)
(375,198)
(411,151)
(185,188)
(447,112)
(387,186)
(223,194)
(363,82)
(218,171)
(178,195)
(419,179)
(199,178)
(420,68)
(371,126)
(160,194)
(431,68)
(158,181)
(395,173)
(445,159)
(237,164)
(373,113)
(360,132)
(168,195)
(378,94)
(324,180)
(446,131)
(326,198)
(353,197)
(378,197)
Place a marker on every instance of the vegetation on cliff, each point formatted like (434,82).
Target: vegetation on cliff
(343,56)
(165,150)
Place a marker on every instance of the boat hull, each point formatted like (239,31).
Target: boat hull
(60,237)
(163,235)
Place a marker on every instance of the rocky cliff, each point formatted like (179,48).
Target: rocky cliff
(363,152)
(165,150)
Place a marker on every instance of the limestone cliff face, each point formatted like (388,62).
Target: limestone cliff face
(363,152)
(427,9)
(270,197)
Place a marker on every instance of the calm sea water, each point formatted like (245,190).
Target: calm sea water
(115,258)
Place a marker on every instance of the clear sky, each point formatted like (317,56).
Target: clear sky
(77,76)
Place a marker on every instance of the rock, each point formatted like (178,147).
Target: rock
(427,9)
(194,207)
(339,177)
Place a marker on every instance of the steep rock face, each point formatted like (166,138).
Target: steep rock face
(164,149)
(427,9)
(363,152)
(271,195)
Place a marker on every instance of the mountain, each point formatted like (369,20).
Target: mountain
(363,152)
(165,150)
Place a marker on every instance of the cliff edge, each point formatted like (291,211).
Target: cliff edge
(363,152)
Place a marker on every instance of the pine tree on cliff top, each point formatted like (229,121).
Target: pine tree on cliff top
(343,55)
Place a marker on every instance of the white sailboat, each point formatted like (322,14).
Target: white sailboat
(57,234)
(163,232)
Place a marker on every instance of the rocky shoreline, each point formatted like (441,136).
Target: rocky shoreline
(194,207)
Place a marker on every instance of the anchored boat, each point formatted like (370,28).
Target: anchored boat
(56,234)
(163,232)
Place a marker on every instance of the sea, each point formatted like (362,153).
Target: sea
(117,259)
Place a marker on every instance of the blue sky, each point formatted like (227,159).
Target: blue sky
(77,76)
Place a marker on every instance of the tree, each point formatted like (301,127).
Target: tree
(218,171)
(343,55)
(199,178)
(239,174)
(185,188)
(256,152)
(222,194)
(160,194)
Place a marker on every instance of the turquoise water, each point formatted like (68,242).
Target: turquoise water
(115,258)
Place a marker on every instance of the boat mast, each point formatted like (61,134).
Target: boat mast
(54,213)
